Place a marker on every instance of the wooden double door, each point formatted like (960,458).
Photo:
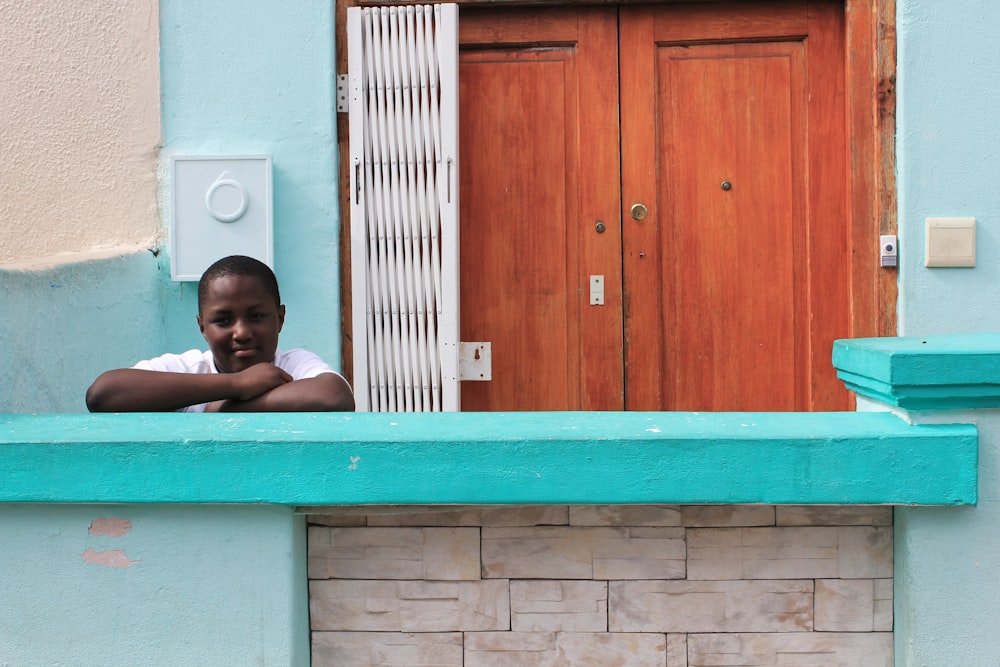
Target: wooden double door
(654,205)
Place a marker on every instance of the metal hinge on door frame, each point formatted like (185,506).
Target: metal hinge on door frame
(342,87)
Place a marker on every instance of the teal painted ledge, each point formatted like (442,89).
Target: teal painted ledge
(487,458)
(947,372)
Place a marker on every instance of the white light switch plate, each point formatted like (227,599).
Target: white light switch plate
(951,242)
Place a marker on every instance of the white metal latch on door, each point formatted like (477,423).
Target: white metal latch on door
(475,362)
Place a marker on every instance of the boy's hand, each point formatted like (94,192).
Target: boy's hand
(250,383)
(326,392)
(258,379)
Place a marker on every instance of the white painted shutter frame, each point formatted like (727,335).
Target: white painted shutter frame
(403,106)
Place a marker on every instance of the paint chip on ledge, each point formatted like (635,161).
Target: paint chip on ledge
(115,558)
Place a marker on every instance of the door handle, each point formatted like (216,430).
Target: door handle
(639,211)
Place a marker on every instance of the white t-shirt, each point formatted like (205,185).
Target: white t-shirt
(300,364)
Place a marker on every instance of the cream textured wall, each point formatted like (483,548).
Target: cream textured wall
(79,129)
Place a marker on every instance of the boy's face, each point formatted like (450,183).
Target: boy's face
(240,321)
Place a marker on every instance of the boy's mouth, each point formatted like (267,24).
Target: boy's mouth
(244,352)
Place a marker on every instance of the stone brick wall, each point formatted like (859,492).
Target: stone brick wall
(688,586)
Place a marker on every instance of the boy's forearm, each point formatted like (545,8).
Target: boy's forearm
(323,393)
(135,390)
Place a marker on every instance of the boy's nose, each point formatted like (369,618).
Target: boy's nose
(241,329)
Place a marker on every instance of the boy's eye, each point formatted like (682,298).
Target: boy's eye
(221,321)
(256,317)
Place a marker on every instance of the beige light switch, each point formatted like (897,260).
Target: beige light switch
(951,242)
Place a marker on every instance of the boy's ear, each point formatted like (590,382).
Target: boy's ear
(201,326)
(281,316)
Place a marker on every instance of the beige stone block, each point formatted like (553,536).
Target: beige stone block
(364,649)
(789,649)
(318,536)
(336,604)
(789,553)
(644,553)
(624,515)
(580,552)
(507,642)
(394,553)
(866,553)
(882,619)
(657,533)
(626,650)
(365,553)
(465,515)
(710,606)
(845,605)
(761,553)
(451,554)
(409,606)
(543,552)
(564,649)
(712,516)
(558,606)
(535,515)
(337,519)
(417,515)
(826,515)
(677,650)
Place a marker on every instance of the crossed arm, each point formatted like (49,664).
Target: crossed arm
(259,388)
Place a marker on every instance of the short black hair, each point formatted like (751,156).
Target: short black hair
(239,265)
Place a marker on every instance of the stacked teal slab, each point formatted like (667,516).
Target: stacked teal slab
(943,372)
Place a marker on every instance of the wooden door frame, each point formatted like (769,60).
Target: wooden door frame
(871,114)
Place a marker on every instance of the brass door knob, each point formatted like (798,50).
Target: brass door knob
(639,211)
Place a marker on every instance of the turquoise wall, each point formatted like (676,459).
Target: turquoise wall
(61,327)
(948,146)
(126,585)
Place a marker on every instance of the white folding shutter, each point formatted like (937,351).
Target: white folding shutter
(403,106)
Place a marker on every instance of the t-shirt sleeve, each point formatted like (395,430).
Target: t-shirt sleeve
(302,364)
(192,361)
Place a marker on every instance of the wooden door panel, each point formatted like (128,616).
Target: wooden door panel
(733,297)
(729,21)
(730,260)
(539,164)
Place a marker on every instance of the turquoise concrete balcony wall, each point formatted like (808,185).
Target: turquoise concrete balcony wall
(470,458)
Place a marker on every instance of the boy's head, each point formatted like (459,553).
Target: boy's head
(238,265)
(240,312)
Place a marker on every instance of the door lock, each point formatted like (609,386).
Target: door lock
(639,211)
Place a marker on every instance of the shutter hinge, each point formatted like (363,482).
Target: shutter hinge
(342,93)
